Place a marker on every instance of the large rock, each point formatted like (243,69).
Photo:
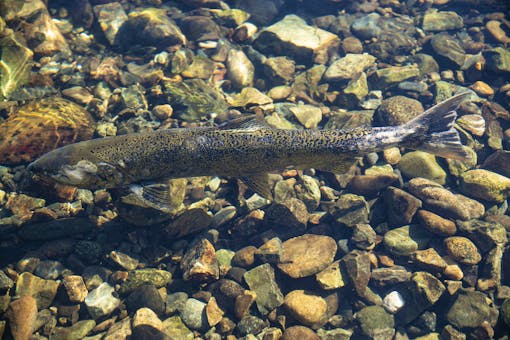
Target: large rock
(22,315)
(307,255)
(101,302)
(348,66)
(422,164)
(469,309)
(398,110)
(375,323)
(308,308)
(262,281)
(448,49)
(498,59)
(485,184)
(441,21)
(292,37)
(44,291)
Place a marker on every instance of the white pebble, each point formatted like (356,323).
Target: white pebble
(393,302)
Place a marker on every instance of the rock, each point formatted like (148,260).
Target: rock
(291,213)
(250,325)
(307,255)
(442,21)
(41,126)
(347,67)
(389,276)
(77,331)
(299,332)
(149,27)
(485,234)
(244,257)
(462,250)
(350,210)
(448,49)
(240,69)
(352,45)
(308,115)
(124,260)
(393,75)
(371,184)
(400,206)
(393,302)
(270,252)
(111,17)
(375,322)
(426,63)
(356,265)
(331,277)
(261,280)
(213,312)
(5,282)
(292,37)
(261,11)
(307,190)
(193,98)
(194,315)
(279,92)
(22,315)
(249,96)
(175,302)
(199,263)
(482,89)
(308,308)
(429,259)
(436,224)
(243,303)
(15,64)
(423,291)
(398,110)
(499,162)
(75,288)
(100,301)
(498,59)
(146,296)
(364,237)
(505,312)
(472,123)
(176,329)
(367,27)
(43,291)
(279,70)
(485,184)
(355,91)
(145,316)
(498,33)
(188,222)
(422,164)
(393,44)
(201,67)
(443,202)
(136,278)
(406,240)
(469,309)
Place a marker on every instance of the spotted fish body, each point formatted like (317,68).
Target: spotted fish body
(241,149)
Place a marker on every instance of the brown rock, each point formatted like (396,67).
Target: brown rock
(498,33)
(463,250)
(308,308)
(244,257)
(299,332)
(145,316)
(75,288)
(307,255)
(199,263)
(436,224)
(44,291)
(357,269)
(22,314)
(401,206)
(481,88)
(429,259)
(213,312)
(243,303)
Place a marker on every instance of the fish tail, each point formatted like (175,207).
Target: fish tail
(433,130)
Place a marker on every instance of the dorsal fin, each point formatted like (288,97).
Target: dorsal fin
(248,122)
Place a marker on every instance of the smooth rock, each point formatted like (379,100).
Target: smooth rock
(101,302)
(240,69)
(441,21)
(308,308)
(261,11)
(146,316)
(398,110)
(43,291)
(448,49)
(393,302)
(485,184)
(307,255)
(299,332)
(193,314)
(145,296)
(367,27)
(374,322)
(262,281)
(307,190)
(436,224)
(22,315)
(355,91)
(406,240)
(292,37)
(347,67)
(422,164)
(463,250)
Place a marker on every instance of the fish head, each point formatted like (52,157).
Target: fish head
(77,166)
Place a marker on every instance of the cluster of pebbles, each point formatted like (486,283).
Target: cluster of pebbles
(406,245)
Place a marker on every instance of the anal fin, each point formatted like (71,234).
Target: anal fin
(260,184)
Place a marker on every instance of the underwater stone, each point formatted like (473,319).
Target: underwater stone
(398,110)
(22,316)
(390,76)
(469,309)
(367,27)
(75,288)
(422,164)
(15,64)
(498,59)
(111,17)
(462,250)
(201,67)
(356,266)
(348,66)
(175,328)
(136,278)
(449,49)
(44,291)
(350,210)
(308,308)
(331,277)
(193,314)
(279,70)
(292,37)
(79,330)
(375,323)
(262,281)
(262,11)
(308,115)
(442,21)
(199,263)
(486,185)
(101,302)
(400,206)
(240,69)
(43,125)
(355,91)
(406,240)
(146,317)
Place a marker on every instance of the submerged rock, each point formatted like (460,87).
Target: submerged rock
(261,280)
(41,126)
(111,17)
(292,37)
(485,184)
(15,64)
(442,21)
(348,66)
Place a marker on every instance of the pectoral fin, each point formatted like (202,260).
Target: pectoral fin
(260,184)
(155,195)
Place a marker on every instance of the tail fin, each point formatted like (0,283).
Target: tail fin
(433,130)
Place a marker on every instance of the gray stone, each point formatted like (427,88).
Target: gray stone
(449,49)
(375,323)
(240,69)
(406,240)
(250,325)
(348,66)
(77,331)
(100,301)
(350,210)
(194,316)
(356,267)
(469,309)
(175,302)
(261,280)
(441,21)
(367,27)
(498,59)
(292,37)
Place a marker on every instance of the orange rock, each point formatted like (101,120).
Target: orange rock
(41,126)
(483,89)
